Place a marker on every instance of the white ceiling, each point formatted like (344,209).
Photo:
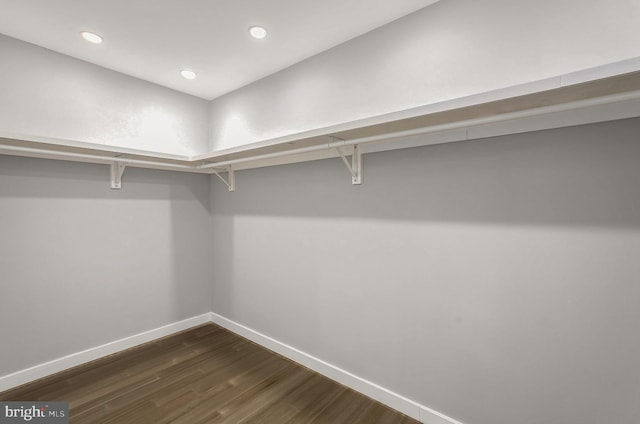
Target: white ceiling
(154,39)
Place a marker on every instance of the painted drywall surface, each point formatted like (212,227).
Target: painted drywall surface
(83,265)
(495,281)
(451,49)
(48,94)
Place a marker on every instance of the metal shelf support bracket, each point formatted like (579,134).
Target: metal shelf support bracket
(355,165)
(230,180)
(117,169)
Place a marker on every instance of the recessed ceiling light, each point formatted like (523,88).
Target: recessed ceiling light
(258,32)
(91,37)
(188,74)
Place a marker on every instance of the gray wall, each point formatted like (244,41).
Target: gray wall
(496,281)
(82,265)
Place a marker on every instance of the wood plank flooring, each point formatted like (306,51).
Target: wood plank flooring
(203,375)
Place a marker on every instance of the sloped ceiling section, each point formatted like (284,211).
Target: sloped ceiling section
(154,39)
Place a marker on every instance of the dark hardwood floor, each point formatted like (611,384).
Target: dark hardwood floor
(203,375)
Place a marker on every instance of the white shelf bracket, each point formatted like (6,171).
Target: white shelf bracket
(355,166)
(117,169)
(230,180)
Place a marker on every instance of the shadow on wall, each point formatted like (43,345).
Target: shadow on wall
(37,174)
(175,192)
(76,255)
(577,176)
(192,247)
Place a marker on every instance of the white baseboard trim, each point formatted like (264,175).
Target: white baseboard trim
(400,403)
(39,371)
